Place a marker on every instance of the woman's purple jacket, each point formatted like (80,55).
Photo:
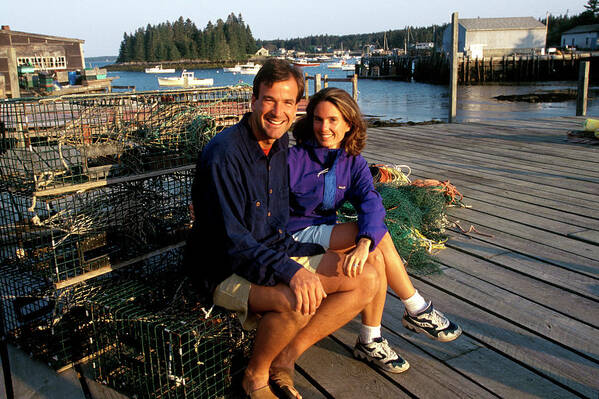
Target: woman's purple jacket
(354,184)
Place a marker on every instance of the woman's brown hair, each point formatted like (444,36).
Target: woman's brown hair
(355,140)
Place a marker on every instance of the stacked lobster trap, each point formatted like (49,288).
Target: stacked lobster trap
(94,194)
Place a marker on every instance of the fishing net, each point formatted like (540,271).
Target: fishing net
(56,142)
(415,214)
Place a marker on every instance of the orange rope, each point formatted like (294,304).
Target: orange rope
(442,186)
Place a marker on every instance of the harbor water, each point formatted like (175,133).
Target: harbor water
(400,101)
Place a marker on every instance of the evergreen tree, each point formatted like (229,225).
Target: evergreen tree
(592,6)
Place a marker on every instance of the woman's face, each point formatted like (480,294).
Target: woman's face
(329,125)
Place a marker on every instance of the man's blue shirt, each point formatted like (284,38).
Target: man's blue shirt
(241,203)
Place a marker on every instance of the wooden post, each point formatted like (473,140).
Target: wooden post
(13,76)
(583,88)
(306,87)
(354,86)
(317,83)
(326,81)
(453,70)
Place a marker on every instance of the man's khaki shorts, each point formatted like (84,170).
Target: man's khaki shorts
(234,293)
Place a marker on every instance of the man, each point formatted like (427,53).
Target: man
(240,199)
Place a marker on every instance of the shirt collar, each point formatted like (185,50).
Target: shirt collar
(253,148)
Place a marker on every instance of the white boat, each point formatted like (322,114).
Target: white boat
(335,65)
(348,67)
(245,69)
(187,78)
(159,69)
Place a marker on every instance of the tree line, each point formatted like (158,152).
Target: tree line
(398,38)
(560,24)
(182,40)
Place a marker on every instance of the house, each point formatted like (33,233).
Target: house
(583,36)
(262,52)
(488,37)
(42,52)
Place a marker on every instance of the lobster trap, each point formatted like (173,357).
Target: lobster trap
(72,140)
(53,325)
(65,236)
(155,340)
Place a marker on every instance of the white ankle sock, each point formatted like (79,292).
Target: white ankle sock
(415,304)
(368,333)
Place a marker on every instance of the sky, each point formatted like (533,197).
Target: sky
(102,23)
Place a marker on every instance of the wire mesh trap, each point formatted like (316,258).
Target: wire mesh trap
(53,325)
(70,140)
(61,237)
(154,339)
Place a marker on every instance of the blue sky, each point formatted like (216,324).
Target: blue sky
(102,23)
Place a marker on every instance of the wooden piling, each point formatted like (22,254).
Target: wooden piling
(306,87)
(453,70)
(583,88)
(13,76)
(317,83)
(354,87)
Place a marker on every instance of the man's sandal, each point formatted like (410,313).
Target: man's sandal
(262,393)
(282,380)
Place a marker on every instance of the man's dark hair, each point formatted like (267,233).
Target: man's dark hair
(277,70)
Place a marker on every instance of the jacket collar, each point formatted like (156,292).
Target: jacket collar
(251,143)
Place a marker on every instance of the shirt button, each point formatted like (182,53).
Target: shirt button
(280,231)
(270,191)
(268,214)
(257,203)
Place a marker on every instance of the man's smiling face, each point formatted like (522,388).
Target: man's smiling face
(274,110)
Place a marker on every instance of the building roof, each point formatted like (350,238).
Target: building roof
(501,23)
(67,39)
(583,29)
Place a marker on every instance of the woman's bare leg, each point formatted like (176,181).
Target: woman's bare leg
(343,237)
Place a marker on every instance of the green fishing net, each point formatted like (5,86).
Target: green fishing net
(416,219)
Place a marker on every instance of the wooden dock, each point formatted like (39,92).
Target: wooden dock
(524,285)
(525,290)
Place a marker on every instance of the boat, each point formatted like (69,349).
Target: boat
(302,62)
(245,69)
(336,65)
(348,67)
(159,69)
(187,78)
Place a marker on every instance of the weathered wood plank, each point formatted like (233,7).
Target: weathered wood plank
(568,281)
(458,354)
(506,169)
(550,360)
(555,298)
(492,151)
(426,377)
(518,309)
(342,376)
(580,248)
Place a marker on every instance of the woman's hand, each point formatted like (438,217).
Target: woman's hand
(356,258)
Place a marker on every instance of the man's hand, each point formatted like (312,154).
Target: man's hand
(356,258)
(308,291)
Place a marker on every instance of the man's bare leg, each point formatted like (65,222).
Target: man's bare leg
(346,298)
(279,324)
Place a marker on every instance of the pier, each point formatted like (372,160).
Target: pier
(520,274)
(434,68)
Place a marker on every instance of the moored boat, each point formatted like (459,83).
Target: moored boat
(187,78)
(302,62)
(159,69)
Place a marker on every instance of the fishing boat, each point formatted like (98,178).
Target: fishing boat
(336,65)
(303,62)
(348,67)
(159,69)
(187,78)
(245,69)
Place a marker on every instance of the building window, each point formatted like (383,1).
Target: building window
(43,63)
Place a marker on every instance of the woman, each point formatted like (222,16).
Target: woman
(326,169)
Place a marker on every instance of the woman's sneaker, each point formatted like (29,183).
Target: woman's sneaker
(379,353)
(432,323)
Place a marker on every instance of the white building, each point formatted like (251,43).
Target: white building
(583,36)
(478,37)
